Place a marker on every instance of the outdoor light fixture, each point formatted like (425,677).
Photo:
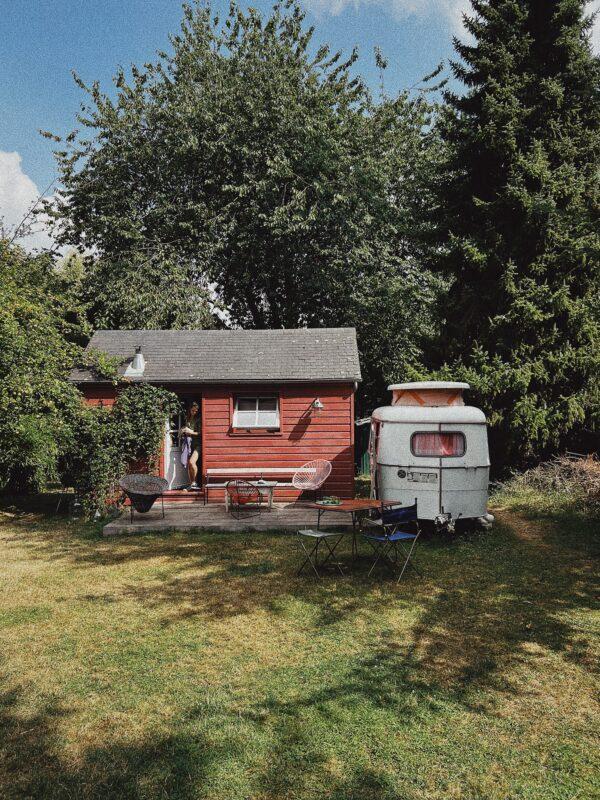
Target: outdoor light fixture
(317,406)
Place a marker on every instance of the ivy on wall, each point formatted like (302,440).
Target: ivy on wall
(111,442)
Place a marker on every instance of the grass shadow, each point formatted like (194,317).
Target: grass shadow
(33,763)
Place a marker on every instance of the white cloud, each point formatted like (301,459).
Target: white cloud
(18,194)
(451,10)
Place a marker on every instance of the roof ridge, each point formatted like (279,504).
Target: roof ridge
(220,330)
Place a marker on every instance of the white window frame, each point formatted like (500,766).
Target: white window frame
(258,420)
(438,433)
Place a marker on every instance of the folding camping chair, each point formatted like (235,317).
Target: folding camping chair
(388,534)
(312,555)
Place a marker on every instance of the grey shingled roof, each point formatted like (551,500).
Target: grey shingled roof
(234,356)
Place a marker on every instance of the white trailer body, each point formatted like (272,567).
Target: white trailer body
(436,454)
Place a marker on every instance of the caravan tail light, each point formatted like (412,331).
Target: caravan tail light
(438,445)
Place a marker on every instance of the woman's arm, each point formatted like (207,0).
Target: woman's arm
(190,431)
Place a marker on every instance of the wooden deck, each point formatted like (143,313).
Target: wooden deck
(213,517)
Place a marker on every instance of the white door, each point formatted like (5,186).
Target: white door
(175,473)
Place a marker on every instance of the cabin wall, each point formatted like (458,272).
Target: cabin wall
(99,395)
(302,436)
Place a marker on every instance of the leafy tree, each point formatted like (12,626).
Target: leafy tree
(41,327)
(151,289)
(522,235)
(269,171)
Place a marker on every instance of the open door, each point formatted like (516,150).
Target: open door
(175,473)
(373,452)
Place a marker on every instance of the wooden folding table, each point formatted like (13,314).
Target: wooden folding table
(356,508)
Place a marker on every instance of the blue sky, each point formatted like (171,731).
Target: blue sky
(44,40)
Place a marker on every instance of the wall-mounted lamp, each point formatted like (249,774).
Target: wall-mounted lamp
(316,406)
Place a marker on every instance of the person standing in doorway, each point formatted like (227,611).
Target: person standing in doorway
(193,429)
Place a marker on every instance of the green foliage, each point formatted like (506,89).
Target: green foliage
(245,162)
(92,462)
(40,330)
(153,288)
(110,442)
(103,366)
(521,222)
(138,420)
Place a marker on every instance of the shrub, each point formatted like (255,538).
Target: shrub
(565,481)
(112,442)
(40,331)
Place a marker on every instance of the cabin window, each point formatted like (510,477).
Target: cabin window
(438,445)
(256,412)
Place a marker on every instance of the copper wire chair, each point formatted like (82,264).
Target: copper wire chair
(311,476)
(243,497)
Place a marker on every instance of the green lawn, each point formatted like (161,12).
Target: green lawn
(188,666)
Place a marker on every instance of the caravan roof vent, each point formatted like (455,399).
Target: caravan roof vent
(428,393)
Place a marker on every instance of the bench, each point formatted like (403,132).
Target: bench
(248,472)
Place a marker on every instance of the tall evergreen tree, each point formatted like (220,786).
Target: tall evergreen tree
(522,236)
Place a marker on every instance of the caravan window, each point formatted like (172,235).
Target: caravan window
(438,445)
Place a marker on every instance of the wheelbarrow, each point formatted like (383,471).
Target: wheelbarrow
(143,491)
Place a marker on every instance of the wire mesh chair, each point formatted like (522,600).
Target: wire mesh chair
(243,497)
(143,490)
(311,476)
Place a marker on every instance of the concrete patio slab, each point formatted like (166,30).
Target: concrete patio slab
(195,517)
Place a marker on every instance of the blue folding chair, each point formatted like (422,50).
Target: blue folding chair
(390,532)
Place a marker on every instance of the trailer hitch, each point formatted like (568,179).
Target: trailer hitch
(445,522)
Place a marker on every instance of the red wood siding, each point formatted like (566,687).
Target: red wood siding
(99,395)
(302,437)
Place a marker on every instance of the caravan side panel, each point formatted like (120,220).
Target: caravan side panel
(397,469)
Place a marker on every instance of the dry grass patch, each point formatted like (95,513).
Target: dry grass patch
(200,666)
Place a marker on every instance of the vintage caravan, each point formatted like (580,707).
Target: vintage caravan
(429,446)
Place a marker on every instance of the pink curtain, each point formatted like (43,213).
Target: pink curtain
(437,445)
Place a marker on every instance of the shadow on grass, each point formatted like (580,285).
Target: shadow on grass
(32,764)
(507,608)
(484,602)
(230,575)
(486,605)
(507,598)
(487,602)
(182,765)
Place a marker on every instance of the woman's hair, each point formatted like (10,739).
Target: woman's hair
(190,406)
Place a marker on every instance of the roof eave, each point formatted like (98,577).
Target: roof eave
(219,382)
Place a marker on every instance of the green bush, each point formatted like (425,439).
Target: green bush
(110,442)
(40,335)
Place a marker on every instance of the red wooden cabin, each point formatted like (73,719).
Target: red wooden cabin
(271,400)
